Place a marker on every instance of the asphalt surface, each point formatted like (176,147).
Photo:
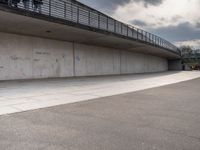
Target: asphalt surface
(164,118)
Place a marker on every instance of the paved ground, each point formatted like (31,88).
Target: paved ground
(164,118)
(18,96)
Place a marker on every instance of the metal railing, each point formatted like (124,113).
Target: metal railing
(70,11)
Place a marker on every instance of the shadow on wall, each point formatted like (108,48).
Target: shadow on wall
(175,65)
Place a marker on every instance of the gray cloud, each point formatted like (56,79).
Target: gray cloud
(105,5)
(109,6)
(198,25)
(182,32)
(176,18)
(150,2)
(138,23)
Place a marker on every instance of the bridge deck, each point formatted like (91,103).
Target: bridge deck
(85,18)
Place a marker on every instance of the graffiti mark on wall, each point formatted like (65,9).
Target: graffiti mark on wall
(42,53)
(14,57)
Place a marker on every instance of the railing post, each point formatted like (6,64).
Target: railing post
(132,31)
(72,12)
(146,37)
(107,23)
(142,36)
(78,14)
(50,7)
(127,30)
(121,29)
(115,26)
(137,34)
(98,20)
(155,40)
(65,10)
(160,41)
(89,17)
(150,37)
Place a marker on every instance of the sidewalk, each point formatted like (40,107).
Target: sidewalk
(18,96)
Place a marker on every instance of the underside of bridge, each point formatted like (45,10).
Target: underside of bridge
(33,45)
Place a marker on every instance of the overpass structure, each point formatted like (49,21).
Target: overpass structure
(67,38)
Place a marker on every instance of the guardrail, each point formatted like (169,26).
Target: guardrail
(192,56)
(70,11)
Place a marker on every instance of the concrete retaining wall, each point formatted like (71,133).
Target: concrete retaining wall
(24,57)
(140,63)
(93,60)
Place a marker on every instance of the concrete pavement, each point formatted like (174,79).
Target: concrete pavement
(18,96)
(163,118)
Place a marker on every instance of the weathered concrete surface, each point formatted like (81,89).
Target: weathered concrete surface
(18,96)
(93,60)
(164,118)
(26,57)
(139,63)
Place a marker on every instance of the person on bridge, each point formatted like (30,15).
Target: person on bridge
(26,4)
(15,2)
(37,5)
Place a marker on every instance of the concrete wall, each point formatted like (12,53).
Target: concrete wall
(140,63)
(93,60)
(24,57)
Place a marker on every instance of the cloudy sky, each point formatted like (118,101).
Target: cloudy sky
(175,20)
